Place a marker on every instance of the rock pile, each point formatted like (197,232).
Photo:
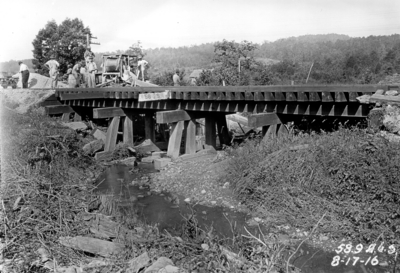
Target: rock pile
(386,114)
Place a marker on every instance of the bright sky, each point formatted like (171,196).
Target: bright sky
(172,23)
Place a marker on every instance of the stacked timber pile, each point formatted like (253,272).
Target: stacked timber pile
(385,115)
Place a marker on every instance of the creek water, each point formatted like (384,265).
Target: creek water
(169,212)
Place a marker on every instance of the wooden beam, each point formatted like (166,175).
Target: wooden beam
(128,130)
(174,143)
(210,132)
(222,126)
(111,137)
(172,116)
(238,118)
(386,99)
(149,124)
(108,112)
(77,117)
(263,119)
(190,136)
(58,109)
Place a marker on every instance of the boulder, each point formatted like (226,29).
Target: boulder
(147,146)
(391,120)
(93,147)
(77,125)
(391,93)
(98,134)
(159,265)
(161,163)
(138,263)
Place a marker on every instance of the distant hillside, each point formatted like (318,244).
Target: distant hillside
(335,58)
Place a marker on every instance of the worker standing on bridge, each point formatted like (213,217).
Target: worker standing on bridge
(91,70)
(83,73)
(141,67)
(88,53)
(176,79)
(76,73)
(24,70)
(53,66)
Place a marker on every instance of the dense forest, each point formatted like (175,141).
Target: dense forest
(329,58)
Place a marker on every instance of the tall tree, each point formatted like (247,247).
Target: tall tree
(236,61)
(65,42)
(136,49)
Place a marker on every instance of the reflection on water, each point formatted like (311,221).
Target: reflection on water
(167,211)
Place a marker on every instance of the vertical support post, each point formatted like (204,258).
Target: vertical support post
(77,117)
(128,129)
(269,132)
(174,143)
(210,132)
(223,133)
(111,137)
(149,124)
(190,137)
(65,117)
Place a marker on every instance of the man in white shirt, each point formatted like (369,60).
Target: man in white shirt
(141,67)
(24,70)
(53,66)
(91,70)
(175,78)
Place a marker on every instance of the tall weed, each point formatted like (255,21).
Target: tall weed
(349,174)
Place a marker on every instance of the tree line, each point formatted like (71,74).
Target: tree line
(317,59)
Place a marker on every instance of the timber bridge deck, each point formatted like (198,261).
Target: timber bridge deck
(271,107)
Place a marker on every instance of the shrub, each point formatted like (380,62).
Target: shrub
(350,174)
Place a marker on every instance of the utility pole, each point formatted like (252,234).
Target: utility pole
(89,42)
(309,72)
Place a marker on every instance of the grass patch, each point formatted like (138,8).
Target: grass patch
(46,183)
(349,174)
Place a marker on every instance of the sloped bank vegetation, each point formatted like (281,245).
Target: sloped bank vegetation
(49,209)
(350,175)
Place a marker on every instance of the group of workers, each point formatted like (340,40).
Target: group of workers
(82,73)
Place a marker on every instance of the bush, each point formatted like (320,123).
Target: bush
(349,174)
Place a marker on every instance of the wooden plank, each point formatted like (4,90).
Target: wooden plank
(190,136)
(58,109)
(128,130)
(290,96)
(279,96)
(149,123)
(394,100)
(174,143)
(269,88)
(268,96)
(353,96)
(340,97)
(301,96)
(211,96)
(258,96)
(65,117)
(263,119)
(314,96)
(210,132)
(326,97)
(111,136)
(248,96)
(172,116)
(108,112)
(77,117)
(238,118)
(85,95)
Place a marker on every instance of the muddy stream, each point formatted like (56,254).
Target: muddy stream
(168,212)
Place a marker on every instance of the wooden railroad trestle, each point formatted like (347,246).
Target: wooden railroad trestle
(271,107)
